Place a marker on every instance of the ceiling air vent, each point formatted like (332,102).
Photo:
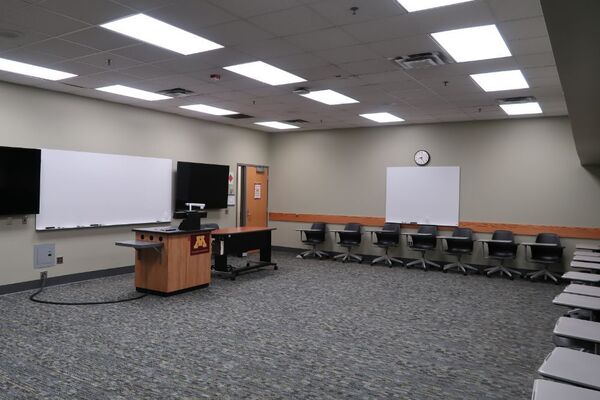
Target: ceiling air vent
(176,92)
(421,60)
(296,121)
(238,116)
(524,99)
(75,86)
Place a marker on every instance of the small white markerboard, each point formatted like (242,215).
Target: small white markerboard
(80,189)
(423,195)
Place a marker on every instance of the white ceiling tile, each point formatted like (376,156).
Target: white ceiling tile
(170,82)
(377,65)
(348,54)
(100,38)
(523,28)
(184,64)
(322,39)
(62,48)
(385,77)
(267,49)
(237,32)
(11,5)
(13,36)
(535,45)
(146,71)
(405,46)
(192,15)
(146,53)
(101,60)
(32,57)
(77,68)
(291,21)
(383,29)
(339,11)
(40,20)
(245,8)
(101,79)
(142,5)
(299,62)
(515,9)
(535,60)
(89,11)
(329,71)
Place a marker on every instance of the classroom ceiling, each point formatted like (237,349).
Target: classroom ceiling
(319,40)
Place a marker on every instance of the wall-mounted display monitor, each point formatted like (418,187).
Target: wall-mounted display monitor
(19,181)
(201,183)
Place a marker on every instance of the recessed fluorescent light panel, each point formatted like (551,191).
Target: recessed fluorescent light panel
(522,108)
(418,5)
(382,117)
(131,92)
(265,73)
(502,80)
(33,70)
(161,34)
(329,97)
(473,44)
(276,125)
(208,109)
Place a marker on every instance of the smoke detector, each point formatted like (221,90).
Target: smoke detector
(421,60)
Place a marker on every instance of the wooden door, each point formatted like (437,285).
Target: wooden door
(257,190)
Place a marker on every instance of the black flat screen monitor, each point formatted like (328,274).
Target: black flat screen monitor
(201,183)
(19,181)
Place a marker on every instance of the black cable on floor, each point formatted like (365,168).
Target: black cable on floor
(85,303)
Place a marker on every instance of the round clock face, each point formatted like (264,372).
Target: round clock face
(422,157)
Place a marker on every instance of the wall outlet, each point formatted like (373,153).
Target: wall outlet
(59,260)
(43,275)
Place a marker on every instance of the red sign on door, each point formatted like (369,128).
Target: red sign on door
(199,244)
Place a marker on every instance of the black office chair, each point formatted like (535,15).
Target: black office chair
(351,237)
(424,241)
(313,237)
(460,247)
(545,255)
(388,236)
(502,247)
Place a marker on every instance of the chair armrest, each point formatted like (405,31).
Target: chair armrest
(542,245)
(497,241)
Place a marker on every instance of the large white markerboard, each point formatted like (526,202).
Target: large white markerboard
(79,189)
(425,195)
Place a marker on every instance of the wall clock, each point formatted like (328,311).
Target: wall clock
(422,157)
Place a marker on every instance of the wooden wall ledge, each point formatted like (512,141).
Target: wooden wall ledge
(481,227)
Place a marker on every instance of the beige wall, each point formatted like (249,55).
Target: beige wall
(520,171)
(42,119)
(516,171)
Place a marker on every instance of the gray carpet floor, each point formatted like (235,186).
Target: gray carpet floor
(311,330)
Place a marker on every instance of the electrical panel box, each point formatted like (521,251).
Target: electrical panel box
(44,255)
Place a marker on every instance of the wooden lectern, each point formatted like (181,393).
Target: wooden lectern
(170,261)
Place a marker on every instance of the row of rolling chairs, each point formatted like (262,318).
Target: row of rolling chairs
(572,370)
(546,250)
